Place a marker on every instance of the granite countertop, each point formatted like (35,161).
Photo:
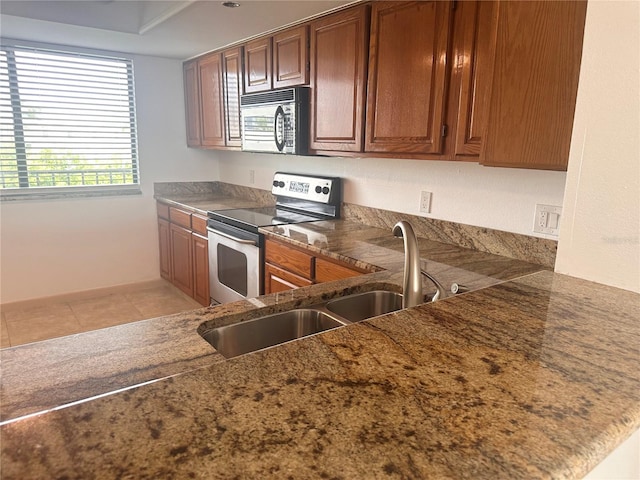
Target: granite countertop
(533,378)
(532,374)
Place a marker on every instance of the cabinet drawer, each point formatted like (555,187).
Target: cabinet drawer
(163,210)
(289,258)
(328,271)
(180,217)
(199,224)
(279,280)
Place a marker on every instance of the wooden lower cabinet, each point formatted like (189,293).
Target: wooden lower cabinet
(181,259)
(184,251)
(200,249)
(327,271)
(288,267)
(278,280)
(164,238)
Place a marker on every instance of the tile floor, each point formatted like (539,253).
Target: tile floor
(59,316)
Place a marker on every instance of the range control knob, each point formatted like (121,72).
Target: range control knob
(281,184)
(318,189)
(325,190)
(276,183)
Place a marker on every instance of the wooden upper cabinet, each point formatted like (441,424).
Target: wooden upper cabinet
(291,57)
(472,59)
(211,97)
(534,84)
(192,103)
(257,65)
(407,76)
(233,85)
(339,56)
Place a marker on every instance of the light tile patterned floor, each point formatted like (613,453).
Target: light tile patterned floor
(57,317)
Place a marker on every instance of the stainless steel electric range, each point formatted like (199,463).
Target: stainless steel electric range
(236,247)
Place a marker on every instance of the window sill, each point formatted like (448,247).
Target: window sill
(66,193)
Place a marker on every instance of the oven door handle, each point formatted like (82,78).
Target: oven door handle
(230,237)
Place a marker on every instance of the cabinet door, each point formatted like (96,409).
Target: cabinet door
(339,55)
(257,65)
(291,57)
(192,103)
(279,280)
(407,74)
(164,238)
(181,259)
(212,111)
(233,85)
(471,82)
(200,248)
(534,84)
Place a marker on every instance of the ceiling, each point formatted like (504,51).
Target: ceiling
(166,28)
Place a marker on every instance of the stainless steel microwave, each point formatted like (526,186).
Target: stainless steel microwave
(276,122)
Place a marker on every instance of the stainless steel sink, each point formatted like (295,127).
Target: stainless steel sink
(263,332)
(361,306)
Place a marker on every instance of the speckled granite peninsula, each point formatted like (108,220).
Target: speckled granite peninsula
(530,375)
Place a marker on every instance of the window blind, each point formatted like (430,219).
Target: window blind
(66,120)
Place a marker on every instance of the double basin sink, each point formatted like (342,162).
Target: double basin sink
(252,335)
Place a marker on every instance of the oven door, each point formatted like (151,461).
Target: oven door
(235,263)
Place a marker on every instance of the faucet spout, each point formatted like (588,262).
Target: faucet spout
(412,284)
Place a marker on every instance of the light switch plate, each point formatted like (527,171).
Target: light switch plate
(547,219)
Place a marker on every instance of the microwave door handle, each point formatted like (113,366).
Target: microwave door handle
(279,117)
(230,237)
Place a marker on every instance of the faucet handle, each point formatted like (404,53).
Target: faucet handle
(457,288)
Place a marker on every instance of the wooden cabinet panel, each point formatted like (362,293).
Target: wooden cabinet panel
(180,217)
(199,224)
(288,257)
(471,80)
(192,103)
(163,210)
(407,76)
(184,255)
(534,84)
(164,240)
(257,65)
(233,85)
(200,249)
(328,271)
(279,280)
(181,259)
(291,57)
(211,98)
(339,56)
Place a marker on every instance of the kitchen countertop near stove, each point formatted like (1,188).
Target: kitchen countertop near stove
(201,197)
(533,374)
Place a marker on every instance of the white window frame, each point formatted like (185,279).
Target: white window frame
(41,192)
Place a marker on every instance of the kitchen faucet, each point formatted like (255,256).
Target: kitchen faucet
(412,284)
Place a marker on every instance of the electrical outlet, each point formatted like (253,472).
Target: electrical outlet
(252,177)
(547,219)
(425,202)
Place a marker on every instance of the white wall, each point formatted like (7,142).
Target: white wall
(600,232)
(61,246)
(499,198)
